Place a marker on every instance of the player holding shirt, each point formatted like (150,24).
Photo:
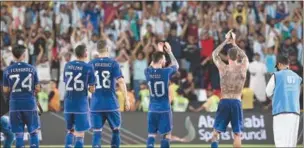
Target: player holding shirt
(160,115)
(104,104)
(20,81)
(233,78)
(78,78)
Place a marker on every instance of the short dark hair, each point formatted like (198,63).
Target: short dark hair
(80,50)
(157,56)
(282,59)
(101,46)
(18,51)
(233,53)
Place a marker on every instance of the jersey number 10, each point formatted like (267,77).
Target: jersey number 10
(160,84)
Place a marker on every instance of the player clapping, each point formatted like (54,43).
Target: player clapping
(158,77)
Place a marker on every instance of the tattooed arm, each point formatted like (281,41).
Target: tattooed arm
(242,54)
(216,55)
(244,58)
(172,58)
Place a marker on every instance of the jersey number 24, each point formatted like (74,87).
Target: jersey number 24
(26,83)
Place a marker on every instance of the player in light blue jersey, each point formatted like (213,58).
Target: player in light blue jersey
(104,104)
(284,88)
(20,81)
(79,79)
(158,78)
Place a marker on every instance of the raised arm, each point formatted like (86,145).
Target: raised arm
(242,54)
(172,58)
(216,55)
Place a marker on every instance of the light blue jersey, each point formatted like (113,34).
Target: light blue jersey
(286,92)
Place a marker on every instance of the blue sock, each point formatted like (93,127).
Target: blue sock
(96,140)
(79,142)
(165,143)
(19,140)
(69,140)
(9,139)
(34,143)
(150,142)
(214,144)
(115,139)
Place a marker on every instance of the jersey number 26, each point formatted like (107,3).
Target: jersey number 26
(78,84)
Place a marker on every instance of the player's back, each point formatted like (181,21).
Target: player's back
(158,81)
(21,78)
(286,92)
(107,71)
(232,81)
(78,75)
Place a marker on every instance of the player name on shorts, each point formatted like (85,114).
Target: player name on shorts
(103,64)
(72,67)
(22,70)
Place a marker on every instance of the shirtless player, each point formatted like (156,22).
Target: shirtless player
(233,77)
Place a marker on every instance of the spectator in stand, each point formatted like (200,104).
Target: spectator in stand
(212,102)
(143,103)
(192,56)
(176,42)
(123,60)
(92,16)
(54,97)
(180,103)
(207,43)
(247,97)
(259,47)
(270,60)
(63,20)
(295,65)
(140,63)
(257,83)
(132,99)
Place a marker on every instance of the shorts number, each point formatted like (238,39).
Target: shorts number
(106,83)
(157,84)
(77,82)
(291,79)
(26,83)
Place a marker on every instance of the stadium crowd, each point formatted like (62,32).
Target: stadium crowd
(52,30)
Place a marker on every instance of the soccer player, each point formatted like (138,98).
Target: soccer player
(79,79)
(284,88)
(233,78)
(104,104)
(5,128)
(20,81)
(158,77)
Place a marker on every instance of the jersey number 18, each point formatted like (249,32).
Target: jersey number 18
(106,83)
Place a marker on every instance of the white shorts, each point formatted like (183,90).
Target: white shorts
(285,130)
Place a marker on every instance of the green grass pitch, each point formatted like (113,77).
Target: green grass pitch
(176,146)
